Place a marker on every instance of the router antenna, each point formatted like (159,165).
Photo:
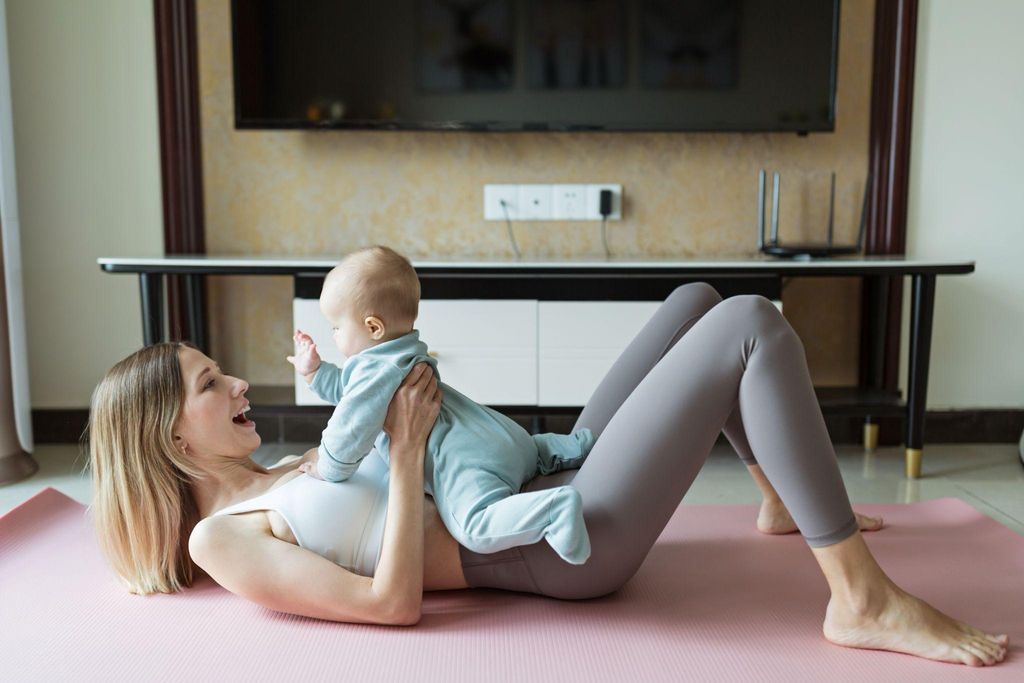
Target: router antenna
(831,207)
(775,208)
(760,209)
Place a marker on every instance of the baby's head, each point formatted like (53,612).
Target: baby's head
(372,296)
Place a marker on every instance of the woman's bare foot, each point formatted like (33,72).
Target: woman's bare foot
(896,620)
(774,518)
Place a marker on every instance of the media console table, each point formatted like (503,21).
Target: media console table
(603,280)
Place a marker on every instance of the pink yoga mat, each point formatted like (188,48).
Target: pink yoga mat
(714,601)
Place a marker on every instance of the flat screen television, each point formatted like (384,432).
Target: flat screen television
(540,65)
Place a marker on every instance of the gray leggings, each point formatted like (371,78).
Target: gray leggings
(700,366)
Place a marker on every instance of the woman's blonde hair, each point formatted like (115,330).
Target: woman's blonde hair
(143,508)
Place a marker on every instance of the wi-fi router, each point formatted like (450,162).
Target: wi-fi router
(808,250)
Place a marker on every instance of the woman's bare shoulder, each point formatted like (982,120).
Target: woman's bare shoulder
(293,459)
(220,529)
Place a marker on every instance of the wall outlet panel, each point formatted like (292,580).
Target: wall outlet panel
(568,202)
(545,202)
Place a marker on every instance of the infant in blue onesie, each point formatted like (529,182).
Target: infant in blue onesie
(476,458)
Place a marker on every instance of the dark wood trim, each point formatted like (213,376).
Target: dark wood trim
(181,163)
(304,425)
(892,88)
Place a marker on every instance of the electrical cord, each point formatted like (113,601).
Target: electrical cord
(511,235)
(604,236)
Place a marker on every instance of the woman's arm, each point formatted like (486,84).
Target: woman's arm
(411,415)
(243,556)
(398,579)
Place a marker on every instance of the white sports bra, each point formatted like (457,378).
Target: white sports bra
(342,521)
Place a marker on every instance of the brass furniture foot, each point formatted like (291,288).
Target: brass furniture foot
(870,436)
(913,463)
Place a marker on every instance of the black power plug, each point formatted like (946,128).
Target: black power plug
(605,205)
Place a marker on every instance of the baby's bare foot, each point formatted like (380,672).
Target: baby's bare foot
(901,622)
(774,518)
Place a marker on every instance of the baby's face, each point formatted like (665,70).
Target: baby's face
(350,335)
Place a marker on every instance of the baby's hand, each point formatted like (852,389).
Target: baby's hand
(306,359)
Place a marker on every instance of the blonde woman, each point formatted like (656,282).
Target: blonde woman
(174,484)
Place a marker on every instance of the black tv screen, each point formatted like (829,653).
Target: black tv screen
(506,65)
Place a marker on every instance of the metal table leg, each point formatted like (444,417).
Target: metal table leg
(151,289)
(922,308)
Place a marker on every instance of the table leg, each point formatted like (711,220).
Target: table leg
(922,308)
(873,376)
(151,289)
(196,332)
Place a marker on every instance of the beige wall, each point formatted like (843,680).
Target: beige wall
(967,174)
(326,192)
(84,95)
(83,86)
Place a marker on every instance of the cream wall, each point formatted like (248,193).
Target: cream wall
(966,180)
(325,192)
(83,86)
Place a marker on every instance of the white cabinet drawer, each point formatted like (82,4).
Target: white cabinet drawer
(579,341)
(510,352)
(485,348)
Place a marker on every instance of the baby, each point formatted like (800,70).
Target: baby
(476,458)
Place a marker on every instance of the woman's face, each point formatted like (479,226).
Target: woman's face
(212,421)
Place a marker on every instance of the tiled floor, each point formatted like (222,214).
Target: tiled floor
(988,476)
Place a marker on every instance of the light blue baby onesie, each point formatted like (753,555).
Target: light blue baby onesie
(476,458)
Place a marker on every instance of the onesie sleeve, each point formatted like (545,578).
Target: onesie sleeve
(327,382)
(359,416)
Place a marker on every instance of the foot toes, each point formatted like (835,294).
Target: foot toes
(970,657)
(980,651)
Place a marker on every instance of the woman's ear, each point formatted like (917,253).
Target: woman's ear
(180,443)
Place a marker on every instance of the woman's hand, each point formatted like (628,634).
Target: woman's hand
(414,408)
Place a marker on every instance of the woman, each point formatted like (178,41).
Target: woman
(165,457)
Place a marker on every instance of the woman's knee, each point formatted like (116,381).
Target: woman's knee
(756,314)
(694,295)
(751,307)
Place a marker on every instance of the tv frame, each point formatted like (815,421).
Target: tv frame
(528,127)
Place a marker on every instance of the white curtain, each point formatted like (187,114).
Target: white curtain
(15,405)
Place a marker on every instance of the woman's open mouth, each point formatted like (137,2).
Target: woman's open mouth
(241,420)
